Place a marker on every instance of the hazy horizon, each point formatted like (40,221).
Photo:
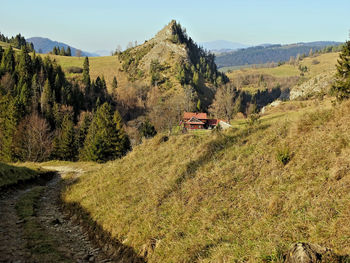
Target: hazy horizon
(104,25)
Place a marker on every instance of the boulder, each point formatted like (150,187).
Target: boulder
(312,253)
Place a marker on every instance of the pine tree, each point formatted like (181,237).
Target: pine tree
(83,129)
(114,83)
(8,61)
(147,130)
(24,66)
(46,100)
(105,141)
(341,88)
(62,51)
(8,122)
(35,93)
(86,72)
(1,53)
(123,144)
(68,52)
(66,142)
(25,98)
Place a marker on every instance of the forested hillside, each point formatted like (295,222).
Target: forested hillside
(273,53)
(46,116)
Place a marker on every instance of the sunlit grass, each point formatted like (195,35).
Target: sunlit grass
(226,197)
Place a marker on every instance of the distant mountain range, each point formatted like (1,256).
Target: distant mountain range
(219,46)
(45,45)
(268,53)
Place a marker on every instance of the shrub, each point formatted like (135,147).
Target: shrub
(254,119)
(74,70)
(283,155)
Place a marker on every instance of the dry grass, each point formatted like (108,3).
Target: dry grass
(226,197)
(13,174)
(99,66)
(327,62)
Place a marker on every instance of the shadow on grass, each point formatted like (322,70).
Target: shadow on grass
(112,247)
(213,148)
(13,177)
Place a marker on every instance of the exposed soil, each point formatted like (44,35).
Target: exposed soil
(71,239)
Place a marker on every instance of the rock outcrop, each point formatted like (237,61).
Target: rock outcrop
(312,253)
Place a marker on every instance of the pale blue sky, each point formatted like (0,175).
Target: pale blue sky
(103,24)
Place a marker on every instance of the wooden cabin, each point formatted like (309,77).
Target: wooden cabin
(194,121)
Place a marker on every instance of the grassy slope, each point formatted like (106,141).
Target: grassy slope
(5,45)
(10,175)
(327,62)
(220,198)
(99,66)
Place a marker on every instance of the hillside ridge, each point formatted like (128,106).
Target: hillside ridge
(46,45)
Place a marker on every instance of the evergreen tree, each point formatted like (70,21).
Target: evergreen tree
(68,52)
(8,61)
(123,143)
(147,130)
(46,100)
(66,142)
(1,53)
(35,101)
(86,72)
(25,98)
(24,66)
(8,122)
(114,83)
(341,88)
(83,129)
(105,141)
(62,51)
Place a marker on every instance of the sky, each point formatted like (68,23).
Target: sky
(105,24)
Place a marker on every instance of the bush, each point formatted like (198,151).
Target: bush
(254,119)
(283,155)
(74,70)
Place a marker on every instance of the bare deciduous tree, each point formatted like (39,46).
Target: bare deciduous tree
(165,113)
(78,53)
(224,102)
(33,139)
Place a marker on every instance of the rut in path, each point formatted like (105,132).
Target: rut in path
(71,239)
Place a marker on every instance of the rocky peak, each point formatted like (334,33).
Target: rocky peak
(166,33)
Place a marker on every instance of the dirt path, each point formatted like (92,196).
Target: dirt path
(12,246)
(69,238)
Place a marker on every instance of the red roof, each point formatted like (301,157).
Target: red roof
(200,115)
(194,120)
(213,122)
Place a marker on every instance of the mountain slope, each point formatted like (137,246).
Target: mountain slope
(46,45)
(172,60)
(243,195)
(269,53)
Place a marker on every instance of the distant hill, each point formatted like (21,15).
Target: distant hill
(269,53)
(219,46)
(46,45)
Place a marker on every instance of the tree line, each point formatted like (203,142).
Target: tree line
(60,51)
(17,42)
(43,115)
